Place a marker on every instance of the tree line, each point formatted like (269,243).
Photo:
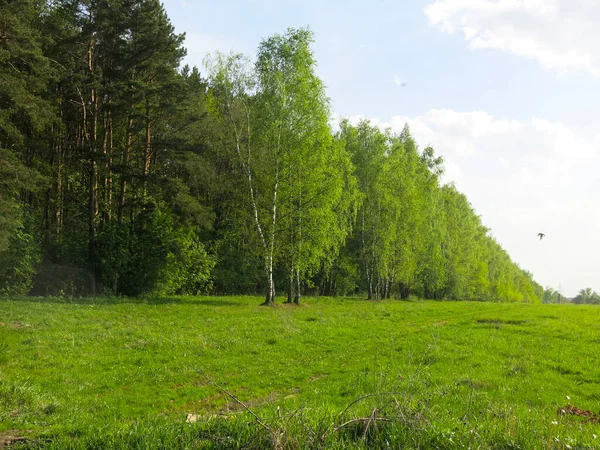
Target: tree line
(584,296)
(122,173)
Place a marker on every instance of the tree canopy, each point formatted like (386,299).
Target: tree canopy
(123,173)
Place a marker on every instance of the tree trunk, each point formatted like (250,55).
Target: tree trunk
(331,284)
(59,189)
(125,161)
(91,228)
(403,291)
(147,150)
(270,297)
(90,137)
(297,296)
(93,206)
(290,286)
(107,181)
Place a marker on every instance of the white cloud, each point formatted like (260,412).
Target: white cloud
(334,121)
(373,121)
(200,45)
(561,35)
(523,177)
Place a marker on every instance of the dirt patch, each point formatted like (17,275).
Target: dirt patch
(9,439)
(590,416)
(501,322)
(565,370)
(220,404)
(233,406)
(287,305)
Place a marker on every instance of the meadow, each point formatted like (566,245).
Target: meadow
(224,372)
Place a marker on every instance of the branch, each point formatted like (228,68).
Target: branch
(372,419)
(381,394)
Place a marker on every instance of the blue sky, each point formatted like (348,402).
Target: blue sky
(506,90)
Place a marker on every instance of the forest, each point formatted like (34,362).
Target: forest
(124,173)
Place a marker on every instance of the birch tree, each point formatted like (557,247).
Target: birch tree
(300,186)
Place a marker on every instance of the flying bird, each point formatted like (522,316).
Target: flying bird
(541,236)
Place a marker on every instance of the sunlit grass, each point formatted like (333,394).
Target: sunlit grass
(125,373)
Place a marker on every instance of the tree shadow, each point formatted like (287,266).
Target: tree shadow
(146,300)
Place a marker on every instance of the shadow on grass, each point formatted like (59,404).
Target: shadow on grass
(149,300)
(215,300)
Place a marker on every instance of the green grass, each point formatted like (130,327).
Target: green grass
(117,373)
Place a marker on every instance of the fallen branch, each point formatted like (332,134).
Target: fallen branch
(361,419)
(372,419)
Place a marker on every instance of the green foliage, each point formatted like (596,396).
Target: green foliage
(138,255)
(189,268)
(24,70)
(375,218)
(299,192)
(237,269)
(24,114)
(587,295)
(413,235)
(154,256)
(18,262)
(141,177)
(314,172)
(340,276)
(551,295)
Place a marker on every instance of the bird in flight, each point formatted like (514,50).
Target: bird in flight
(541,236)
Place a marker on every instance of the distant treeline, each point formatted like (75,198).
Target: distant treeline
(122,173)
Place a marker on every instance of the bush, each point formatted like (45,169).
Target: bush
(18,263)
(153,256)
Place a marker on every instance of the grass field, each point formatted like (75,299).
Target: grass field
(331,373)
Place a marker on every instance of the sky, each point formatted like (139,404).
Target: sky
(507,91)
